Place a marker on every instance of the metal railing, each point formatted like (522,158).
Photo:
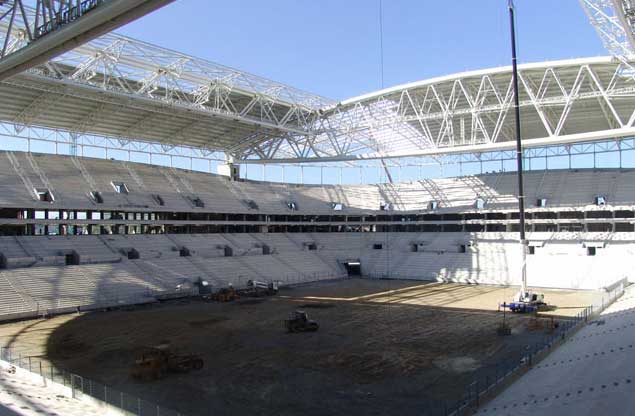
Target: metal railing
(81,386)
(490,380)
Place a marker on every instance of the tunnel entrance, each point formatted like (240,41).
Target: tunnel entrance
(353,268)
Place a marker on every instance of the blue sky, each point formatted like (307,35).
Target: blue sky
(331,47)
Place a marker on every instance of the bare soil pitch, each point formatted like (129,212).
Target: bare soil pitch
(384,347)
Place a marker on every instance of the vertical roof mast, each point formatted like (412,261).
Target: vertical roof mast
(519,155)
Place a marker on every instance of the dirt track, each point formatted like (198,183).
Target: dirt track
(384,347)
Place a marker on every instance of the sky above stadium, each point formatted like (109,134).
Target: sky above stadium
(332,47)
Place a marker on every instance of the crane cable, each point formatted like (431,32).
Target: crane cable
(381,46)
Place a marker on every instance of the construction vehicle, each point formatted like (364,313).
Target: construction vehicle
(299,321)
(155,363)
(226,294)
(527,301)
(256,288)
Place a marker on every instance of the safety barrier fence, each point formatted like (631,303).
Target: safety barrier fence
(82,387)
(491,380)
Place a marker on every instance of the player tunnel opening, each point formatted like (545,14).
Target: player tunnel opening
(353,268)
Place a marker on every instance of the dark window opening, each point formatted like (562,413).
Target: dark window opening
(251,204)
(378,246)
(544,227)
(624,214)
(623,227)
(496,216)
(431,228)
(545,215)
(120,187)
(541,202)
(311,246)
(599,214)
(197,202)
(96,196)
(44,195)
(432,217)
(571,215)
(600,227)
(462,248)
(432,205)
(590,251)
(457,228)
(571,227)
(451,217)
(474,216)
(292,206)
(71,259)
(353,268)
(474,228)
(495,227)
(184,252)
(531,250)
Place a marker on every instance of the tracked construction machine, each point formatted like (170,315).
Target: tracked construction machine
(299,321)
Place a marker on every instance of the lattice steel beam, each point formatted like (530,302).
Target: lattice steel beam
(31,36)
(561,102)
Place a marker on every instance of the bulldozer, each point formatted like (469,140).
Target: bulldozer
(155,363)
(299,321)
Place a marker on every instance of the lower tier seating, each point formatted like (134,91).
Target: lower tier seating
(171,265)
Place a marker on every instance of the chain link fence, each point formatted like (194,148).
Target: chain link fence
(82,386)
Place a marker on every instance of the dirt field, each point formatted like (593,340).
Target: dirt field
(384,347)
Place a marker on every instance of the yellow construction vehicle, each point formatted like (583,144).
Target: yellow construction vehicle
(156,362)
(226,294)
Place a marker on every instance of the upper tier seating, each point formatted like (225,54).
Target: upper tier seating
(71,181)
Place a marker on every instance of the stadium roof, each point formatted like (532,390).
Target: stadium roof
(120,87)
(115,86)
(561,102)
